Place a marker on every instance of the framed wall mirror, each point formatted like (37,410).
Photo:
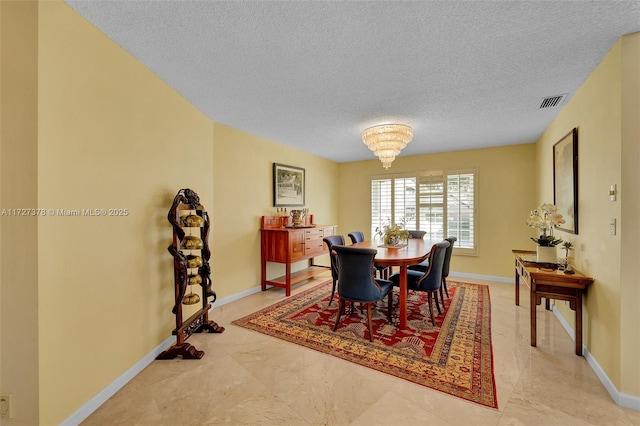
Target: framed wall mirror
(565,180)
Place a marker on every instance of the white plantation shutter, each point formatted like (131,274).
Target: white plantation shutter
(381,197)
(422,201)
(404,202)
(461,208)
(432,205)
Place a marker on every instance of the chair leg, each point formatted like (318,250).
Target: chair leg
(435,296)
(442,297)
(444,284)
(340,310)
(390,307)
(433,321)
(333,291)
(370,323)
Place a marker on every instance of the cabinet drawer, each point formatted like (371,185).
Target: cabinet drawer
(315,246)
(314,234)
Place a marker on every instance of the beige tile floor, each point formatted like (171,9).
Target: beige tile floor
(246,378)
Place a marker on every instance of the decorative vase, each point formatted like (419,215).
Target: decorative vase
(547,254)
(298,217)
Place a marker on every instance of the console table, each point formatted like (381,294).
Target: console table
(282,244)
(551,283)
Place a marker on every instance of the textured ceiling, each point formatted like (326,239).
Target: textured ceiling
(314,74)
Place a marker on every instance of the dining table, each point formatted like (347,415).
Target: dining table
(403,255)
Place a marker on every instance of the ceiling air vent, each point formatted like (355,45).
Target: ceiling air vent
(552,101)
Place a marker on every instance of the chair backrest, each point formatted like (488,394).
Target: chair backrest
(432,278)
(355,278)
(447,256)
(331,241)
(356,237)
(417,234)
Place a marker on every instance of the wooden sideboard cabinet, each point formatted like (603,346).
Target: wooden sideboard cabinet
(281,244)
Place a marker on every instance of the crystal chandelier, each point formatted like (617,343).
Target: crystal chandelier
(387,140)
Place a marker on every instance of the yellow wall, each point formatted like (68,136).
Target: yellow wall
(596,110)
(18,189)
(506,194)
(114,136)
(99,130)
(629,217)
(243,192)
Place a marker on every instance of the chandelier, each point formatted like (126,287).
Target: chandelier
(387,140)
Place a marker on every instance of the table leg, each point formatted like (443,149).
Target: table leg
(287,289)
(404,287)
(517,287)
(533,305)
(579,322)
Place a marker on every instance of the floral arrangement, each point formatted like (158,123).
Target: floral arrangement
(546,218)
(392,234)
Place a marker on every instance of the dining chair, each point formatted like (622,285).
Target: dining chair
(358,237)
(447,263)
(357,284)
(423,266)
(417,234)
(430,280)
(330,241)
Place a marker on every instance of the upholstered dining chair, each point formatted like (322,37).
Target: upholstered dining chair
(445,268)
(430,280)
(358,237)
(417,234)
(357,284)
(330,241)
(447,263)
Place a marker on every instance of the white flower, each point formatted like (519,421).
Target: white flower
(545,218)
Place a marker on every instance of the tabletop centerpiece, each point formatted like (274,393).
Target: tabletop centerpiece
(546,218)
(392,234)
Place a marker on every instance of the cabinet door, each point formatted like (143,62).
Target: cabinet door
(275,246)
(296,244)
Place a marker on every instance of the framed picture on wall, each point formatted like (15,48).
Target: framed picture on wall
(565,180)
(288,185)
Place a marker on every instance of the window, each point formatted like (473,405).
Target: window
(442,203)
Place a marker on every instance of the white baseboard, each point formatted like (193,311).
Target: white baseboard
(620,398)
(481,277)
(624,400)
(234,297)
(92,405)
(631,402)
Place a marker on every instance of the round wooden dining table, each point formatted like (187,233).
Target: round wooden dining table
(414,251)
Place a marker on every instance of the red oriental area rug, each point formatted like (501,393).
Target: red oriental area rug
(454,357)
